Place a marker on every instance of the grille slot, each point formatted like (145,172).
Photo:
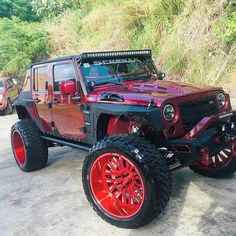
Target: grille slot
(194,111)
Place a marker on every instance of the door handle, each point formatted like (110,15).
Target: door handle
(55,101)
(37,100)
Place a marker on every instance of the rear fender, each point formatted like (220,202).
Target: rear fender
(29,112)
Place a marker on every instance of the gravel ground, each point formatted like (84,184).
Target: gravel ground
(52,202)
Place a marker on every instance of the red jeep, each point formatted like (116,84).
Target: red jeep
(9,91)
(136,127)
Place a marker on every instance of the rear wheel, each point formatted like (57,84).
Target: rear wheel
(221,164)
(29,149)
(126,180)
(9,108)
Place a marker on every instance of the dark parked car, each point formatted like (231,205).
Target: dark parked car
(9,91)
(136,126)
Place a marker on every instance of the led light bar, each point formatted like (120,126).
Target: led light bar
(141,53)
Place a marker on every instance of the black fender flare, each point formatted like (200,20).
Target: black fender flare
(151,115)
(32,113)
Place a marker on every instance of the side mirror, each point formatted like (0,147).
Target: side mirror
(67,87)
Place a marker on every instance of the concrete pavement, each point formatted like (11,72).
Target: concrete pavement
(51,201)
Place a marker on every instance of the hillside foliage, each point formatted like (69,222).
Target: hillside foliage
(191,40)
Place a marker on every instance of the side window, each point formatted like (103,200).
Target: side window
(26,84)
(41,78)
(62,72)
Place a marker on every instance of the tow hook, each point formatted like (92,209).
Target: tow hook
(204,157)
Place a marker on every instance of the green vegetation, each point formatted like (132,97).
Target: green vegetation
(21,43)
(19,8)
(191,40)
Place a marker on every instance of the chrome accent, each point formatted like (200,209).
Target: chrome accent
(225,115)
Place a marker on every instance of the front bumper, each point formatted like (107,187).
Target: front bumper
(203,135)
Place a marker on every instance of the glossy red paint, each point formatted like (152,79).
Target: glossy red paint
(18,148)
(161,93)
(118,126)
(58,108)
(57,113)
(117,185)
(140,92)
(67,87)
(204,124)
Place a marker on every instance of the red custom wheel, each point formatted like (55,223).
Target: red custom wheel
(29,149)
(126,180)
(219,160)
(117,185)
(219,165)
(18,148)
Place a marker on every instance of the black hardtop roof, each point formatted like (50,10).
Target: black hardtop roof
(53,60)
(99,55)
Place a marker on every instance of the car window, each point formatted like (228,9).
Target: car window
(101,71)
(26,84)
(1,84)
(62,72)
(41,78)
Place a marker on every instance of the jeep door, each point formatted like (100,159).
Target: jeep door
(67,117)
(41,95)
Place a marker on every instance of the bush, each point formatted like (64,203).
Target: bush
(20,44)
(192,41)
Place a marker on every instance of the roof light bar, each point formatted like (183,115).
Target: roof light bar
(88,55)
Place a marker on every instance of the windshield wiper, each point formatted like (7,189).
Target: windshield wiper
(136,77)
(109,82)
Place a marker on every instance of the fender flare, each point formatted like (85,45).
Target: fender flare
(92,114)
(29,106)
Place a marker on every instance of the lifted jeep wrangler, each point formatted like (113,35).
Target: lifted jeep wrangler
(136,127)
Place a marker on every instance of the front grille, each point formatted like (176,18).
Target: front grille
(193,111)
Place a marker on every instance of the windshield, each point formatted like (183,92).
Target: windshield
(1,84)
(116,70)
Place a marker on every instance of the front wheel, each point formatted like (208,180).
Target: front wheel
(126,180)
(221,164)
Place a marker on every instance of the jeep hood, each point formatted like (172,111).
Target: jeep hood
(141,92)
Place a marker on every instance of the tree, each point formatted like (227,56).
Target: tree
(20,8)
(52,8)
(20,44)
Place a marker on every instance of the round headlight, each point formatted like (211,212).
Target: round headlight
(221,99)
(169,112)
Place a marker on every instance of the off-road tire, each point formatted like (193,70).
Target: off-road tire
(218,173)
(35,147)
(9,108)
(153,168)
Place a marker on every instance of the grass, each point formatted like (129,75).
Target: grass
(188,38)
